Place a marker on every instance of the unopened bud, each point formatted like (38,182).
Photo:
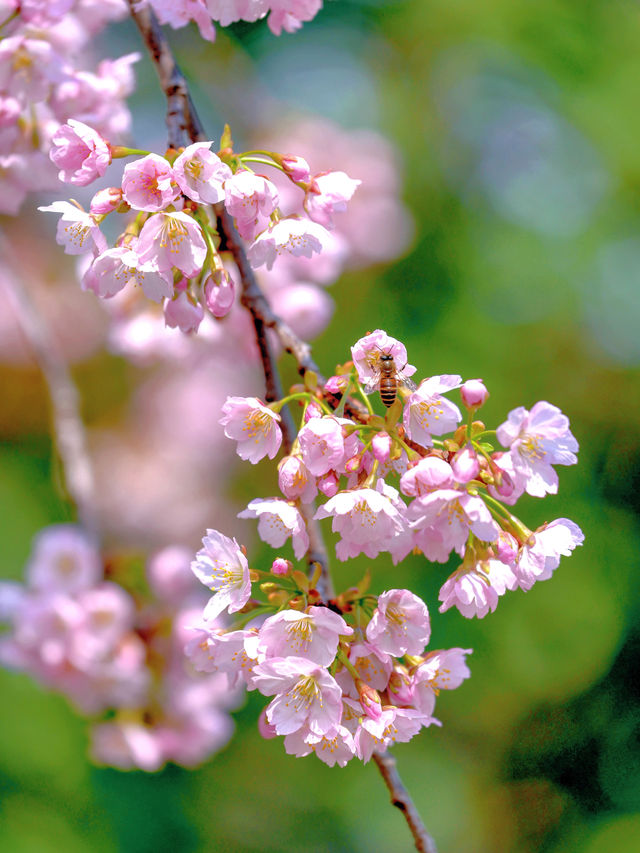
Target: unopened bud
(465,465)
(219,292)
(369,699)
(381,446)
(474,394)
(281,567)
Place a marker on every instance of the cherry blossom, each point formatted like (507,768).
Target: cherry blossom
(250,199)
(63,559)
(201,174)
(81,154)
(253,425)
(149,183)
(327,194)
(222,567)
(322,445)
(400,624)
(77,231)
(113,269)
(474,394)
(295,480)
(297,237)
(277,521)
(428,413)
(169,240)
(366,353)
(338,748)
(475,591)
(540,555)
(305,695)
(313,635)
(537,440)
(183,312)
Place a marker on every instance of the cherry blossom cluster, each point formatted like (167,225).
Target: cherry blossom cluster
(43,84)
(452,493)
(287,15)
(171,246)
(117,655)
(346,679)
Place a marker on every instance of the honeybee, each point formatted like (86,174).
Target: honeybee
(388,378)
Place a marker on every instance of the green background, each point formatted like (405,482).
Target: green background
(518,125)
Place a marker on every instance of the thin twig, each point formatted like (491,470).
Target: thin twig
(401,798)
(68,428)
(185,126)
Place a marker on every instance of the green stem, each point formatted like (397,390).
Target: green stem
(344,660)
(260,160)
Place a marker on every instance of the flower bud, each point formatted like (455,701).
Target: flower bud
(219,292)
(182,313)
(506,547)
(106,200)
(381,446)
(328,484)
(281,567)
(465,465)
(369,699)
(473,393)
(336,384)
(295,167)
(400,688)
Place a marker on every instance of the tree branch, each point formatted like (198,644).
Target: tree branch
(185,126)
(68,429)
(401,798)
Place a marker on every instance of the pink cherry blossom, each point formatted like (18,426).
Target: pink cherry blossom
(106,200)
(216,650)
(63,559)
(446,669)
(183,313)
(168,573)
(223,568)
(337,748)
(313,635)
(400,624)
(540,555)
(289,15)
(277,521)
(381,446)
(451,514)
(250,199)
(396,725)
(170,240)
(114,268)
(253,425)
(366,354)
(322,445)
(81,154)
(228,11)
(77,230)
(428,413)
(201,174)
(149,183)
(367,520)
(126,745)
(328,193)
(537,440)
(305,695)
(297,237)
(475,591)
(295,480)
(178,13)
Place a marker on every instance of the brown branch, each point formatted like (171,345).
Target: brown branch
(68,429)
(401,798)
(185,126)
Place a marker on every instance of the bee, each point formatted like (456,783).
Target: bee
(388,378)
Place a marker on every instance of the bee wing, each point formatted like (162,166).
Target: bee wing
(408,383)
(371,385)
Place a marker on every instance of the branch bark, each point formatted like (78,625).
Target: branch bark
(68,428)
(401,798)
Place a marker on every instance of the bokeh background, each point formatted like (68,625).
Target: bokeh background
(514,131)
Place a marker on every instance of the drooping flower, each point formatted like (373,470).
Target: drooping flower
(253,425)
(250,199)
(277,521)
(81,154)
(329,193)
(475,591)
(540,555)
(222,567)
(322,445)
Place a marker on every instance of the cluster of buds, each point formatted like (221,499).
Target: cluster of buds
(42,85)
(117,655)
(452,492)
(350,675)
(172,246)
(346,679)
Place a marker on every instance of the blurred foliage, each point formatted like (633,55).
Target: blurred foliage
(517,125)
